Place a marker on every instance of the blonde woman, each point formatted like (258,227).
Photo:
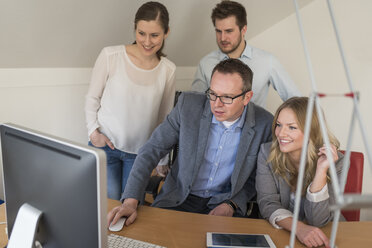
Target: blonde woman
(277,170)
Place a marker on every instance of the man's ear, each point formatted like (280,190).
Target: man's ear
(247,97)
(244,30)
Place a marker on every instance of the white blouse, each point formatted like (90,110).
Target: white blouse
(126,103)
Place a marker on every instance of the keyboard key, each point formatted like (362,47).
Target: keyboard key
(117,241)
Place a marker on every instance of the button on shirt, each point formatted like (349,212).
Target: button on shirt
(214,175)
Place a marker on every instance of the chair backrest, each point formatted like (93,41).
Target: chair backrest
(354,182)
(175,150)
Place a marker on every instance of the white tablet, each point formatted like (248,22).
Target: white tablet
(239,240)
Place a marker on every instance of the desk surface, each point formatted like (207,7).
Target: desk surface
(179,229)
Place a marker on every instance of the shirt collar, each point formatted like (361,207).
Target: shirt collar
(247,52)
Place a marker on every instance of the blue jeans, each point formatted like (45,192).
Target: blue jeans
(119,165)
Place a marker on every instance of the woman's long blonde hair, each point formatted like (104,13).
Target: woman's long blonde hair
(282,165)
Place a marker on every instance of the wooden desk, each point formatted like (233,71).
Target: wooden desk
(179,229)
(3,236)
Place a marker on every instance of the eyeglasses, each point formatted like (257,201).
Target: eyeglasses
(224,99)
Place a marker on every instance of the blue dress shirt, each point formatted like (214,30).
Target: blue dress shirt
(219,158)
(266,70)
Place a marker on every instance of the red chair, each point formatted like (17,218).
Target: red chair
(354,182)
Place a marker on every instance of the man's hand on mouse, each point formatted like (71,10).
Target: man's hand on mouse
(127,209)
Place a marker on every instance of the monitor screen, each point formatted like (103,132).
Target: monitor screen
(64,180)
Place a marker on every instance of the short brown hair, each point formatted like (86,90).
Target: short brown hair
(230,66)
(230,8)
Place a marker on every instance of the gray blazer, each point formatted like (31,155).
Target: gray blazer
(188,126)
(273,193)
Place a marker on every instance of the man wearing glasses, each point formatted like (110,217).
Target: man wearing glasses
(219,134)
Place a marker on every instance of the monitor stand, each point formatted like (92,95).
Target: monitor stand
(25,227)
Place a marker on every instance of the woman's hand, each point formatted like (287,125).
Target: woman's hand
(100,140)
(323,163)
(311,236)
(320,178)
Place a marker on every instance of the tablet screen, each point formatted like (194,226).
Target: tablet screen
(226,239)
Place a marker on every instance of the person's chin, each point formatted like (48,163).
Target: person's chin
(225,49)
(284,149)
(150,52)
(220,116)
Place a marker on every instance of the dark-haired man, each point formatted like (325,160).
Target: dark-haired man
(230,21)
(219,134)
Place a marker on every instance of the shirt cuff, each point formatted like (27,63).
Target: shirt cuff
(92,129)
(317,196)
(164,160)
(278,215)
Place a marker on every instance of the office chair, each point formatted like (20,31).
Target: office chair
(354,182)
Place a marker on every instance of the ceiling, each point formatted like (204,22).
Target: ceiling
(71,33)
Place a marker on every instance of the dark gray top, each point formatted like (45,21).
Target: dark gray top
(273,193)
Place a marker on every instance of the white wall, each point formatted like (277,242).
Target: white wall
(353,18)
(70,33)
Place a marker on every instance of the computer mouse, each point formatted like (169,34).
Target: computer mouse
(118,225)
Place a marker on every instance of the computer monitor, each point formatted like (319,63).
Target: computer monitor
(63,180)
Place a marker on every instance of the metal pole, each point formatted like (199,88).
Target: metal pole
(301,172)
